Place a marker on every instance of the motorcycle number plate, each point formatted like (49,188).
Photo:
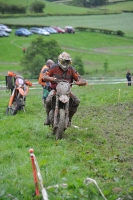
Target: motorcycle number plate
(64,98)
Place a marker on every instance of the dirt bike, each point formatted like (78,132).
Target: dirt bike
(60,106)
(19,89)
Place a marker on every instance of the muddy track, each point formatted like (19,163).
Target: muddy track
(104,50)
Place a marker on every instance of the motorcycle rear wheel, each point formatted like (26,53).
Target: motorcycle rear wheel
(61,125)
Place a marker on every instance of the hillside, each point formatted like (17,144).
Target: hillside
(114,5)
(61,8)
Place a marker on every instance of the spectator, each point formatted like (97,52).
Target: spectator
(45,85)
(128,76)
(24,49)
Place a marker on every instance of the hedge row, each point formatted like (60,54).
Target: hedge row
(14,26)
(106,31)
(99,12)
(82,29)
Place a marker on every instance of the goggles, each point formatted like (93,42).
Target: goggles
(65,62)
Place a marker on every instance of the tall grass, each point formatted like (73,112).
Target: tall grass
(101,149)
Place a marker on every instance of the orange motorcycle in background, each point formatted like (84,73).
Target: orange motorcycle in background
(19,89)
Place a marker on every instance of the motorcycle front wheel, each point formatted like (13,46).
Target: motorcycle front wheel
(61,125)
(14,107)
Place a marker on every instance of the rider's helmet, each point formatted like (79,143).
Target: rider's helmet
(64,60)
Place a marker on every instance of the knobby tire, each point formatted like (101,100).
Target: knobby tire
(61,125)
(15,107)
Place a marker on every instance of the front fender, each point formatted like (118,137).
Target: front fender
(22,91)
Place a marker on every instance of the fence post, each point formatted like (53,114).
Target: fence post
(34,171)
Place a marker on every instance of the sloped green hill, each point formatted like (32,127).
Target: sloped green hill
(62,8)
(52,8)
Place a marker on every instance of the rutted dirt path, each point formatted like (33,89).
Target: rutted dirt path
(104,50)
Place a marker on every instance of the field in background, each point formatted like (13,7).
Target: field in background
(54,8)
(93,48)
(113,22)
(125,6)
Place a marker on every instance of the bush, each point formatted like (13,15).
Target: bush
(78,64)
(37,53)
(37,7)
(120,33)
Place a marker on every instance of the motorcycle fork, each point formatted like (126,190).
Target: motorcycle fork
(66,114)
(11,98)
(22,103)
(56,111)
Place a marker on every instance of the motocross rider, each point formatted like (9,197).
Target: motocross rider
(62,71)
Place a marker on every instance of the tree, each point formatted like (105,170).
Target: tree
(78,64)
(37,7)
(38,53)
(12,9)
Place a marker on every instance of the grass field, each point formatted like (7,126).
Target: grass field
(101,149)
(54,8)
(125,6)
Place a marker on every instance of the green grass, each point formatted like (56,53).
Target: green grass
(124,6)
(93,48)
(53,8)
(100,151)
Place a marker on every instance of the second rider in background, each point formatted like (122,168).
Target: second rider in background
(45,85)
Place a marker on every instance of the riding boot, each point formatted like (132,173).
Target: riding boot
(73,108)
(47,121)
(71,113)
(70,118)
(44,103)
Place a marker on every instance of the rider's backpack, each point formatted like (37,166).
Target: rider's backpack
(9,82)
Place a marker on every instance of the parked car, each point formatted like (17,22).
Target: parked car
(25,29)
(1,34)
(39,31)
(4,34)
(59,30)
(34,30)
(5,28)
(69,29)
(43,32)
(50,30)
(21,32)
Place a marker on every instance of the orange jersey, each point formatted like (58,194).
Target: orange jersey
(40,80)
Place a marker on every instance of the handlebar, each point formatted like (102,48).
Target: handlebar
(62,80)
(80,83)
